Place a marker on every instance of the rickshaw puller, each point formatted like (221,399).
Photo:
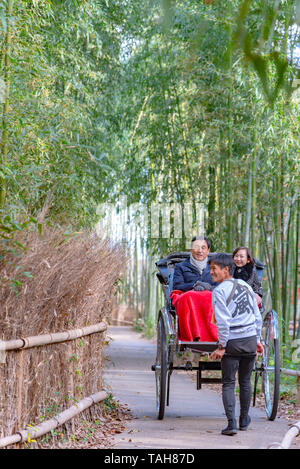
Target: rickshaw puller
(239,327)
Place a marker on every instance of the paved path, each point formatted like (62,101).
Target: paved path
(194,418)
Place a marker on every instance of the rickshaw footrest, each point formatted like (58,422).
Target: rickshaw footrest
(207,366)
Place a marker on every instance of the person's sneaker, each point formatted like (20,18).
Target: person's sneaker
(231,429)
(244,422)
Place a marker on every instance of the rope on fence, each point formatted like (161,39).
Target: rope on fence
(46,339)
(33,432)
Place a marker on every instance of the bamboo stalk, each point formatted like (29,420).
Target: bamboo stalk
(276,291)
(249,207)
(70,364)
(46,339)
(139,118)
(296,334)
(253,214)
(10,440)
(11,344)
(229,176)
(288,246)
(7,72)
(267,252)
(185,149)
(33,432)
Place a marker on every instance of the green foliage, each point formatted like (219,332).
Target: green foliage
(161,101)
(208,118)
(261,33)
(63,58)
(109,404)
(11,248)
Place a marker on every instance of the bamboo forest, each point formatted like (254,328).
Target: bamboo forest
(169,103)
(144,123)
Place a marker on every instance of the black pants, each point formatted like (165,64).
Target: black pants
(239,357)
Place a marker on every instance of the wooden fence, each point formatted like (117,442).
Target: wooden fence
(32,432)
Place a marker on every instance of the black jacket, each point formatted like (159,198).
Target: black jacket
(185,276)
(248,274)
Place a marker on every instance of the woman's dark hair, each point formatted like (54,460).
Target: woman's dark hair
(201,238)
(249,256)
(223,260)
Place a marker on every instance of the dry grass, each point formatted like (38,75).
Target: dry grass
(92,431)
(72,286)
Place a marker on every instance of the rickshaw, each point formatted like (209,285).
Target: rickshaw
(170,347)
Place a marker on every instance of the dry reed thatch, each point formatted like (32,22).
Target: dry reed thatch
(72,286)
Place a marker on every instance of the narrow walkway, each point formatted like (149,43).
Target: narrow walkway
(194,418)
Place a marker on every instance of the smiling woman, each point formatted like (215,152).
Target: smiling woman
(246,270)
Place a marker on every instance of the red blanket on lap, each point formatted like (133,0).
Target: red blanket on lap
(194,310)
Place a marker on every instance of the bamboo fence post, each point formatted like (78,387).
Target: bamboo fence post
(70,364)
(46,339)
(20,374)
(20,377)
(2,387)
(70,377)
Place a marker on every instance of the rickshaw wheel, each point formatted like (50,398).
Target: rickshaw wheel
(161,369)
(271,365)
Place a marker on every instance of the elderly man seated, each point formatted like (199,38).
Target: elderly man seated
(191,295)
(189,274)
